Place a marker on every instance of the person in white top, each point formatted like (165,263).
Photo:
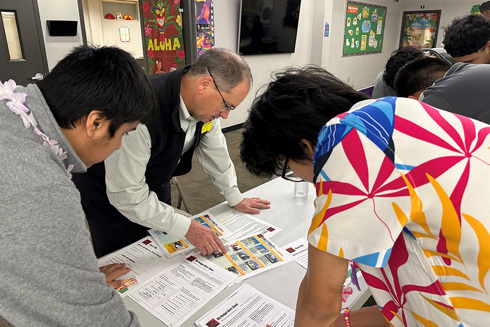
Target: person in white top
(131,193)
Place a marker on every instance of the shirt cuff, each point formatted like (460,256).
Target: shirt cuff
(234,198)
(180,227)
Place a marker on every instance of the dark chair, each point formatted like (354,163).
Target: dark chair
(368,91)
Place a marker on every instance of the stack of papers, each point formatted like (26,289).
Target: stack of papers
(172,283)
(179,291)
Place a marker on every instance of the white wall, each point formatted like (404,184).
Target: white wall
(311,46)
(57,47)
(226,34)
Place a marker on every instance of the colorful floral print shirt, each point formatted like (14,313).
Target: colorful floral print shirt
(403,189)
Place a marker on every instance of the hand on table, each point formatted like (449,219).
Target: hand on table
(112,272)
(204,239)
(252,205)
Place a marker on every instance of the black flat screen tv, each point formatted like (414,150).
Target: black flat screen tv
(62,27)
(268,26)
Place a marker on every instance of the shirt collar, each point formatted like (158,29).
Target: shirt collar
(185,118)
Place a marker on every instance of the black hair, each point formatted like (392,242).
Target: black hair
(293,107)
(466,35)
(397,60)
(485,6)
(227,67)
(419,74)
(104,79)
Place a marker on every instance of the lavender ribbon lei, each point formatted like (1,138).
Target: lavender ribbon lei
(16,105)
(353,275)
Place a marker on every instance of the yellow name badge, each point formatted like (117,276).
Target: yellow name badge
(206,127)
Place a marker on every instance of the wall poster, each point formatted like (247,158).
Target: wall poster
(419,28)
(364,28)
(204,25)
(164,41)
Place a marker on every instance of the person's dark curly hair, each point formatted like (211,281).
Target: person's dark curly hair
(419,74)
(466,35)
(294,107)
(485,6)
(397,60)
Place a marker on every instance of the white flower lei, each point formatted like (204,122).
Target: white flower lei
(16,105)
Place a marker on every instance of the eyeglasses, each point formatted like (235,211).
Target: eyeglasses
(289,175)
(227,107)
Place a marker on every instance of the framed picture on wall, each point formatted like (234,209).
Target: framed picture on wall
(419,28)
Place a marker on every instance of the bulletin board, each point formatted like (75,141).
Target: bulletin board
(364,28)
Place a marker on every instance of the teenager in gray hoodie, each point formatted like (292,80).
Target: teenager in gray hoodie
(69,121)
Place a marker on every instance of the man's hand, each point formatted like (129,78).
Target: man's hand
(204,239)
(252,205)
(112,272)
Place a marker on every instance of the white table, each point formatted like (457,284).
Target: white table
(291,214)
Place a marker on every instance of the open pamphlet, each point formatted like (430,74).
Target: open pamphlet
(177,292)
(249,256)
(229,225)
(172,246)
(144,258)
(248,307)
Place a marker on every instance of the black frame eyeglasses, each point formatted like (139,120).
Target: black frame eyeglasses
(227,107)
(289,175)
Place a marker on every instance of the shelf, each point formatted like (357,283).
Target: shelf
(122,1)
(123,7)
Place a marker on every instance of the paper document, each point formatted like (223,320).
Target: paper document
(298,250)
(247,307)
(180,290)
(242,224)
(172,246)
(249,256)
(144,258)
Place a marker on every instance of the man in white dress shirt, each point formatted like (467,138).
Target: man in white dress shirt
(130,192)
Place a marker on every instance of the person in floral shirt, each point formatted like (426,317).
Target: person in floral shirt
(401,191)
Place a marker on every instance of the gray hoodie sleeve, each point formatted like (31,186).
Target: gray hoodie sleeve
(49,273)
(435,99)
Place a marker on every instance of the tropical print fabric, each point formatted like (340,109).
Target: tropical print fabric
(403,189)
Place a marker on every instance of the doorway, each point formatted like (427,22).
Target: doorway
(22,54)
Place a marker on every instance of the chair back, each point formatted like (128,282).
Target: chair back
(440,53)
(368,90)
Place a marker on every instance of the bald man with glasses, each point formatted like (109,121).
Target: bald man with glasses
(130,192)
